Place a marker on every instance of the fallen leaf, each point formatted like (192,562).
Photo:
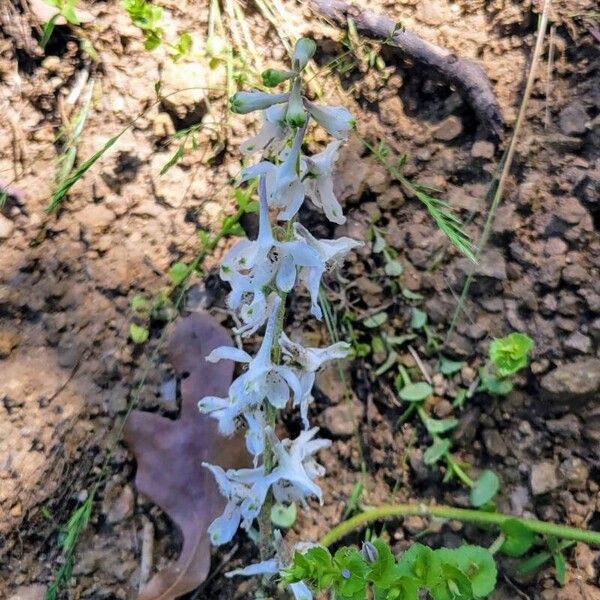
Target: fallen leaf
(169,454)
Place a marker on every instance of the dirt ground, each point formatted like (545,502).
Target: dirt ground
(68,371)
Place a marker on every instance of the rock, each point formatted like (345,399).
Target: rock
(567,426)
(575,274)
(339,420)
(543,478)
(494,443)
(6,227)
(574,590)
(450,128)
(576,473)
(458,346)
(95,217)
(571,211)
(519,499)
(578,343)
(414,524)
(329,383)
(555,246)
(572,119)
(577,381)
(8,340)
(466,430)
(29,592)
(188,103)
(122,507)
(483,149)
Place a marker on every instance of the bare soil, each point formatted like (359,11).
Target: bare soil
(68,371)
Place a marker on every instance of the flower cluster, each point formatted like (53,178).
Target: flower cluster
(261,273)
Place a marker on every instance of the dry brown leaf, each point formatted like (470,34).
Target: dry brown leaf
(170,453)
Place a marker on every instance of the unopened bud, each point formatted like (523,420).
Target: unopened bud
(273,77)
(303,52)
(369,552)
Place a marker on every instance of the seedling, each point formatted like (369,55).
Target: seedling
(507,356)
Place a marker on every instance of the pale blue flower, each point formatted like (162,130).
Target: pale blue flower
(318,182)
(337,120)
(273,134)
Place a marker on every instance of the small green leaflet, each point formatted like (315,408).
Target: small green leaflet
(561,568)
(138,333)
(436,451)
(375,320)
(519,538)
(178,273)
(437,426)
(283,516)
(449,367)
(174,159)
(476,563)
(418,319)
(485,488)
(416,392)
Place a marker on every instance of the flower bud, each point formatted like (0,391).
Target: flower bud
(296,114)
(369,552)
(245,102)
(273,77)
(303,52)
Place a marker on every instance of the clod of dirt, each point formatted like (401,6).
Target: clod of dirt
(577,382)
(543,478)
(170,454)
(6,227)
(186,87)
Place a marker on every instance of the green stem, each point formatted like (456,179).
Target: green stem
(457,514)
(458,470)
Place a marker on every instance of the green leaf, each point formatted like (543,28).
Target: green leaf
(418,318)
(140,305)
(352,572)
(48,30)
(410,295)
(511,353)
(273,77)
(561,568)
(519,538)
(533,563)
(68,12)
(393,268)
(375,320)
(174,159)
(383,570)
(178,273)
(283,516)
(437,426)
(379,243)
(449,367)
(450,584)
(436,451)
(494,385)
(485,488)
(138,333)
(416,392)
(476,563)
(419,562)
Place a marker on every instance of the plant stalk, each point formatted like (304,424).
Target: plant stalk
(458,514)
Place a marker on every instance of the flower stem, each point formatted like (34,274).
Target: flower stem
(264,518)
(458,514)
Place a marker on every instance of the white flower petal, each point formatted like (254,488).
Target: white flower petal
(286,274)
(300,591)
(266,567)
(337,120)
(223,528)
(277,390)
(229,353)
